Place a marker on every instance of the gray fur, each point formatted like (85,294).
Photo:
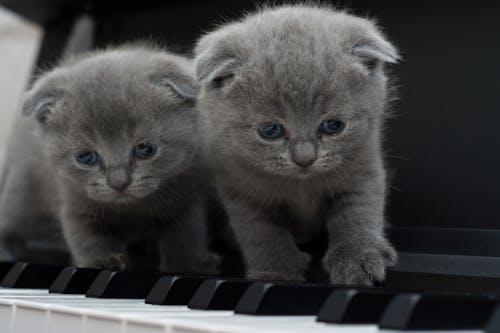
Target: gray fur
(109,101)
(299,65)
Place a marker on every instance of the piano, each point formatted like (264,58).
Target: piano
(442,147)
(42,298)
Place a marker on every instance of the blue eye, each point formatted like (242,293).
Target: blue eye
(144,151)
(331,126)
(271,131)
(88,158)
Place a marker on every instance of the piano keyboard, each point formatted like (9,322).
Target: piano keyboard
(36,298)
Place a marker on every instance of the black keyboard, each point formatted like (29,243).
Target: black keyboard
(39,298)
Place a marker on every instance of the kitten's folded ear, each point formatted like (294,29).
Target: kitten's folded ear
(39,102)
(216,67)
(373,49)
(181,85)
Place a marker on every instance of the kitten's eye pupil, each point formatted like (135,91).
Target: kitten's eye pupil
(88,158)
(371,64)
(43,113)
(219,81)
(271,131)
(144,151)
(331,126)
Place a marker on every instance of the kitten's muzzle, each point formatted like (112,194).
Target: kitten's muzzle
(304,153)
(119,179)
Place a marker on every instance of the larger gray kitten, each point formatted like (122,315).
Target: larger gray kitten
(292,101)
(115,159)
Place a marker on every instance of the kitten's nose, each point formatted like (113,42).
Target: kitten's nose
(304,153)
(119,186)
(119,179)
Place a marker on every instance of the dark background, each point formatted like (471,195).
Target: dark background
(443,145)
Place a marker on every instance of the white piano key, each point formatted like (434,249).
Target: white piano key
(30,317)
(87,315)
(35,310)
(124,306)
(97,322)
(165,311)
(64,321)
(247,324)
(118,315)
(435,331)
(79,312)
(7,311)
(95,314)
(20,292)
(242,324)
(141,326)
(41,296)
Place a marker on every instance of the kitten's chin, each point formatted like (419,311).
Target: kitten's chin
(304,174)
(115,199)
(121,198)
(296,173)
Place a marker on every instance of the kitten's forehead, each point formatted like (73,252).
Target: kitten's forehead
(114,91)
(307,43)
(291,82)
(300,56)
(112,111)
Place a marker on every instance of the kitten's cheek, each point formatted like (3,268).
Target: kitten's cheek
(177,164)
(142,191)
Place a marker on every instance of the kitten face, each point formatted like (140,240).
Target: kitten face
(132,160)
(310,133)
(115,133)
(287,92)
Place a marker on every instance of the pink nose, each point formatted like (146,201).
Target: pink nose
(119,186)
(305,163)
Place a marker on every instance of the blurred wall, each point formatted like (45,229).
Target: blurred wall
(19,43)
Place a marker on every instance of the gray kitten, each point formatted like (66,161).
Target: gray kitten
(115,158)
(292,101)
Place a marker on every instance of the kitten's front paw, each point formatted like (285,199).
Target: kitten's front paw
(115,262)
(350,264)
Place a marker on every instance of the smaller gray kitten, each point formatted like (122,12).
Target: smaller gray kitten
(110,150)
(292,101)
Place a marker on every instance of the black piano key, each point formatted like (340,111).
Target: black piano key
(413,311)
(5,268)
(266,298)
(74,280)
(355,306)
(442,283)
(32,276)
(218,294)
(110,284)
(174,290)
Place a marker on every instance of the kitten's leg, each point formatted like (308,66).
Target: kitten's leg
(358,252)
(183,244)
(12,213)
(90,247)
(269,249)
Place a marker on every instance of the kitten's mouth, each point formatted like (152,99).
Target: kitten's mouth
(117,197)
(130,196)
(296,173)
(304,173)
